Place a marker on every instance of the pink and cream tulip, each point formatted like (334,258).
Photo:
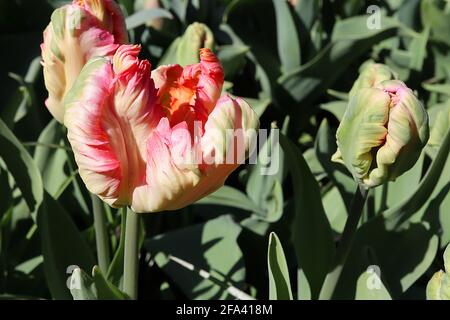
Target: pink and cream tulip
(156,140)
(78,32)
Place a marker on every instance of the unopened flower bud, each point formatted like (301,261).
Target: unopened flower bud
(382,133)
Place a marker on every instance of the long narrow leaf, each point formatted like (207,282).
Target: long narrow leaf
(279,281)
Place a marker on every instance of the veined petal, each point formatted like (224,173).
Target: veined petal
(182,168)
(169,185)
(110,114)
(229,132)
(407,133)
(363,124)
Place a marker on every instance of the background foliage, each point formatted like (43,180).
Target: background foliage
(295,64)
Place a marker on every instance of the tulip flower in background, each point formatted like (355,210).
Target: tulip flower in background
(183,50)
(382,134)
(196,36)
(78,32)
(438,287)
(132,135)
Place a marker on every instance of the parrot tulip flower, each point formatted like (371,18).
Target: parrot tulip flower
(155,141)
(78,32)
(382,133)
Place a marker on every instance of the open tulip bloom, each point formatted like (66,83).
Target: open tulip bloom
(155,141)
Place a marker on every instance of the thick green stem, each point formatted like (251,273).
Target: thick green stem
(131,255)
(101,234)
(348,235)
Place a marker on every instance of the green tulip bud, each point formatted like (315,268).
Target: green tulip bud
(438,287)
(382,133)
(196,36)
(370,75)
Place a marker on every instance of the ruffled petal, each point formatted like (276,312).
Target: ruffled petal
(170,185)
(407,134)
(110,114)
(190,93)
(182,168)
(364,124)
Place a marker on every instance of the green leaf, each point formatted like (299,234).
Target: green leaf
(144,16)
(258,105)
(5,191)
(209,263)
(307,11)
(287,37)
(179,7)
(434,17)
(105,289)
(394,192)
(325,147)
(311,232)
(337,108)
(279,282)
(62,246)
(350,38)
(405,209)
(51,161)
(410,253)
(418,49)
(265,179)
(231,197)
(22,167)
(443,88)
(30,265)
(314,164)
(232,58)
(335,209)
(22,100)
(303,288)
(435,209)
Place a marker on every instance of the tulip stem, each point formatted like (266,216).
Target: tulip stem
(348,235)
(101,234)
(131,255)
